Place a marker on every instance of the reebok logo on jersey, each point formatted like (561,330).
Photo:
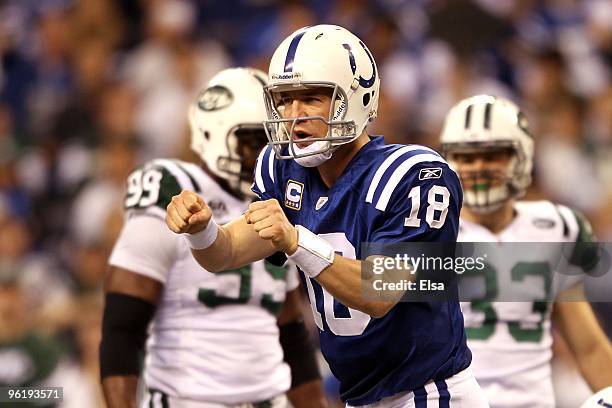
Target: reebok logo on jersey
(321,202)
(293,195)
(430,173)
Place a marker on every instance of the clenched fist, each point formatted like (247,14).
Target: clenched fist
(187,213)
(270,222)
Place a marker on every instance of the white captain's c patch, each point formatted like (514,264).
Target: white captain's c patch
(293,194)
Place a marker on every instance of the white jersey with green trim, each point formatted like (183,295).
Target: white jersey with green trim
(511,341)
(214,337)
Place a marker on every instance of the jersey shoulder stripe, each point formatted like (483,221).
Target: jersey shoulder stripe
(395,170)
(394,157)
(194,172)
(571,227)
(584,253)
(264,170)
(399,174)
(152,185)
(271,158)
(583,229)
(175,168)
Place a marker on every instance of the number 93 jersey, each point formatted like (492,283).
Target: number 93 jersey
(387,193)
(214,337)
(511,341)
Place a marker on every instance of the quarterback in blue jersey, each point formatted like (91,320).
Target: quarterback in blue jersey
(325,187)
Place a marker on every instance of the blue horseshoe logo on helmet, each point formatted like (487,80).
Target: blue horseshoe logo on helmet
(366,83)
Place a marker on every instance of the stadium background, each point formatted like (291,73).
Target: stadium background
(91,88)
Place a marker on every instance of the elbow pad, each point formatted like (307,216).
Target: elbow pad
(299,353)
(124,332)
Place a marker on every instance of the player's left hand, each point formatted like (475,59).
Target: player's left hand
(270,222)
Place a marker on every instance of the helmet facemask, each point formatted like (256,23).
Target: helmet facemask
(243,142)
(486,190)
(318,148)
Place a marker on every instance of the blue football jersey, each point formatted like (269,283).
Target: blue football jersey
(387,193)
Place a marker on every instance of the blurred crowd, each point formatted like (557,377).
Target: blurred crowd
(91,88)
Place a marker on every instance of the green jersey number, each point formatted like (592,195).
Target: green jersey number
(213,298)
(485,305)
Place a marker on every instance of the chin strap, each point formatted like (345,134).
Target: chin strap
(313,160)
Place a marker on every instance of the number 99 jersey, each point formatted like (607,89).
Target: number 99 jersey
(511,341)
(214,337)
(387,194)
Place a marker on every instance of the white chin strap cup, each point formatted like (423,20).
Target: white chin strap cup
(313,254)
(315,159)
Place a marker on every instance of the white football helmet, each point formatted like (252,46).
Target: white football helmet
(486,123)
(227,125)
(326,56)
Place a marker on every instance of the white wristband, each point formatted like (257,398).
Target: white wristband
(204,238)
(313,254)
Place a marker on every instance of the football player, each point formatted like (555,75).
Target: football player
(486,139)
(325,186)
(214,338)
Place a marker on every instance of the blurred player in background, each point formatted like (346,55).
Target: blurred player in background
(214,338)
(28,357)
(487,141)
(326,187)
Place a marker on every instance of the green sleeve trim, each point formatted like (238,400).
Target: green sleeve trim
(169,187)
(585,253)
(585,232)
(193,180)
(150,186)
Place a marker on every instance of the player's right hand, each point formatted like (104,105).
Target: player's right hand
(187,213)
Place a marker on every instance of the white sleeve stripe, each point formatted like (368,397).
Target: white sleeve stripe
(399,173)
(570,219)
(381,170)
(271,166)
(432,392)
(182,177)
(157,397)
(258,177)
(147,400)
(386,164)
